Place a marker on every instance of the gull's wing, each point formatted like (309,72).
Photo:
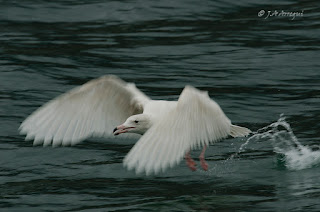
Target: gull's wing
(196,121)
(93,109)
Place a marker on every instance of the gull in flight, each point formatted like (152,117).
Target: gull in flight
(169,129)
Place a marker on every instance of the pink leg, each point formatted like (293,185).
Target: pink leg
(203,162)
(190,162)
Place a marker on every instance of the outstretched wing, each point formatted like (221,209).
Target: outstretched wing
(196,121)
(92,109)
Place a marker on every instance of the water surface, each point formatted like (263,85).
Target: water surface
(256,68)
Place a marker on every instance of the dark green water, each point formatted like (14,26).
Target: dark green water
(256,68)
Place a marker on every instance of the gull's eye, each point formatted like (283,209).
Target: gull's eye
(136,121)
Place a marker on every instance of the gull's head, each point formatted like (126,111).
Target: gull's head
(134,124)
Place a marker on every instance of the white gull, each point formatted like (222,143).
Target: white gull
(169,129)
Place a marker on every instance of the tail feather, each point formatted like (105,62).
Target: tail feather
(237,131)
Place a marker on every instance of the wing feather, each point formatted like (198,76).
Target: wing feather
(92,109)
(196,121)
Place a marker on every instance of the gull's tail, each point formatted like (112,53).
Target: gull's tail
(237,131)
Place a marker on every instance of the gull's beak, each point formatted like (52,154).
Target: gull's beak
(121,129)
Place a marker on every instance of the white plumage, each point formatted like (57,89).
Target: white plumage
(93,109)
(170,128)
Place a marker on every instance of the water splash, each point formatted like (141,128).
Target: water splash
(295,156)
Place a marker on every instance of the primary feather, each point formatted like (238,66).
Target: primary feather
(93,109)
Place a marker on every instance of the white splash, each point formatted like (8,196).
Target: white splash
(295,155)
